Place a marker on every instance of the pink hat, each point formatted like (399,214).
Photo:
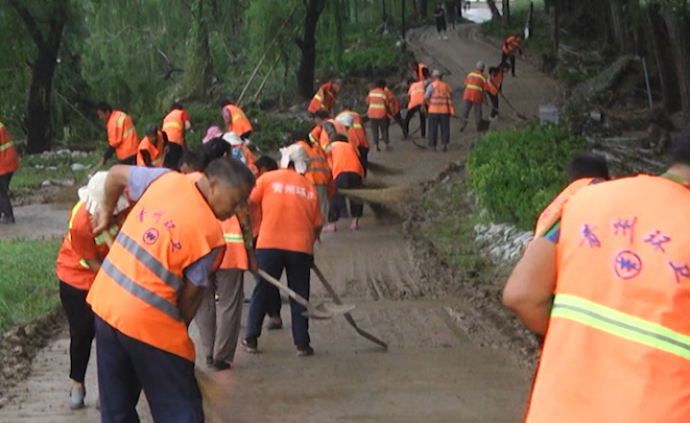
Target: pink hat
(211,133)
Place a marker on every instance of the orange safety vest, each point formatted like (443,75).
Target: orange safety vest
(441,100)
(474,87)
(420,73)
(356,133)
(416,93)
(344,158)
(173,126)
(318,170)
(618,344)
(136,291)
(315,134)
(340,129)
(324,99)
(378,104)
(245,156)
(493,83)
(239,123)
(155,151)
(511,45)
(393,103)
(122,135)
(235,256)
(554,210)
(9,160)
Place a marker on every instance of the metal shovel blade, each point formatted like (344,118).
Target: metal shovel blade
(327,311)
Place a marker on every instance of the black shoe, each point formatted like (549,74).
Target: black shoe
(250,345)
(305,351)
(221,365)
(209,361)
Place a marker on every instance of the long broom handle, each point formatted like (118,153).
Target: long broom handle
(292,294)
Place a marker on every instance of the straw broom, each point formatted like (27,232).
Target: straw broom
(380,169)
(383,202)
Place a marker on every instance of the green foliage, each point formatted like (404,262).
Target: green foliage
(38,168)
(516,173)
(28,287)
(540,39)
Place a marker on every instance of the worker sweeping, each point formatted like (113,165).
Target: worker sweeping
(439,103)
(235,120)
(80,257)
(394,110)
(122,135)
(415,104)
(494,84)
(325,97)
(330,128)
(151,283)
(9,163)
(473,97)
(347,174)
(419,70)
(318,172)
(609,280)
(511,46)
(175,125)
(290,222)
(378,114)
(152,147)
(584,170)
(357,136)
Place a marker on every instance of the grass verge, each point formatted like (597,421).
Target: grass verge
(37,168)
(28,287)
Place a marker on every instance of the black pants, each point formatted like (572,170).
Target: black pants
(364,158)
(510,57)
(338,205)
(422,119)
(5,205)
(494,104)
(173,156)
(81,329)
(380,125)
(440,24)
(131,160)
(399,120)
(436,119)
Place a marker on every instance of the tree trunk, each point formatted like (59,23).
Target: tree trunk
(679,34)
(383,11)
(198,71)
(423,8)
(548,4)
(506,14)
(495,14)
(659,47)
(339,41)
(556,28)
(305,73)
(619,27)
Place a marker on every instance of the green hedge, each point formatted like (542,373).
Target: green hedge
(517,173)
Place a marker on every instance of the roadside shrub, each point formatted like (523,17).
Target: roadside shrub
(516,173)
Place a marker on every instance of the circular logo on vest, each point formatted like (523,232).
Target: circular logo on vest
(627,264)
(150,236)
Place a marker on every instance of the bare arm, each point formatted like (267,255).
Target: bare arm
(189,301)
(115,185)
(94,264)
(529,290)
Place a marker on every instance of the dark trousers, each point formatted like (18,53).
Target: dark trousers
(399,120)
(126,365)
(510,57)
(494,104)
(173,156)
(338,205)
(81,329)
(131,160)
(440,24)
(297,265)
(5,205)
(436,120)
(364,158)
(380,125)
(422,119)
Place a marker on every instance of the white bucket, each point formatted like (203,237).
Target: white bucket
(548,113)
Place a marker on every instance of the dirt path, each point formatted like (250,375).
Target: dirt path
(432,373)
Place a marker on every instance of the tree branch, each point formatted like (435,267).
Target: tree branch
(30,23)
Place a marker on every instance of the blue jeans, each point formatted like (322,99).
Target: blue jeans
(298,268)
(126,365)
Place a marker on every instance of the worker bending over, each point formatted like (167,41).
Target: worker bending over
(473,97)
(239,150)
(415,104)
(419,70)
(151,283)
(493,86)
(330,128)
(9,163)
(290,222)
(175,125)
(357,136)
(439,103)
(325,97)
(394,110)
(378,114)
(152,148)
(122,135)
(610,281)
(235,120)
(511,46)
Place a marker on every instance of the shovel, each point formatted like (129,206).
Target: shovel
(320,312)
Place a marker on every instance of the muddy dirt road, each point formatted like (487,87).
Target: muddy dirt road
(432,372)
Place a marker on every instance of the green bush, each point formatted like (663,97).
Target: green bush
(516,173)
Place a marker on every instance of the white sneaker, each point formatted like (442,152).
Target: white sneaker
(439,37)
(76,398)
(445,37)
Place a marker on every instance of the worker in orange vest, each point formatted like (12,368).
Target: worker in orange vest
(318,171)
(609,280)
(473,97)
(584,170)
(439,103)
(290,224)
(330,128)
(79,259)
(240,151)
(235,120)
(394,110)
(378,114)
(152,153)
(419,70)
(9,163)
(175,125)
(348,173)
(415,104)
(357,136)
(122,135)
(325,97)
(512,45)
(493,86)
(150,285)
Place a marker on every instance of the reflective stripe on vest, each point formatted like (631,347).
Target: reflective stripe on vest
(234,238)
(237,116)
(475,86)
(175,124)
(620,324)
(149,261)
